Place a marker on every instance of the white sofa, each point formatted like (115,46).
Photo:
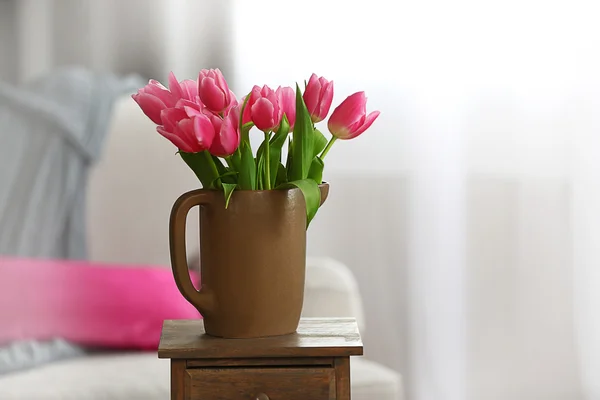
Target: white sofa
(129,198)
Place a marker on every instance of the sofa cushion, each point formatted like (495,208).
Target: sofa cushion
(92,304)
(127,376)
(371,380)
(142,376)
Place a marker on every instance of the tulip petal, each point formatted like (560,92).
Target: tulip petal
(212,95)
(247,117)
(227,139)
(311,94)
(151,105)
(185,130)
(171,116)
(351,110)
(216,120)
(204,131)
(220,79)
(158,90)
(174,86)
(325,100)
(273,98)
(232,100)
(356,126)
(287,101)
(263,114)
(191,111)
(189,89)
(182,103)
(176,140)
(222,84)
(365,125)
(318,97)
(254,95)
(339,131)
(154,82)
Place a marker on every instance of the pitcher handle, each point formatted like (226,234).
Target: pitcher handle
(177,224)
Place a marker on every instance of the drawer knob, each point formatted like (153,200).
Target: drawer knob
(262,396)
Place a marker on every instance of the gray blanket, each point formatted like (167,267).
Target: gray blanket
(51,132)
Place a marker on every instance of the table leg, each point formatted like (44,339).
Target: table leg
(177,379)
(342,378)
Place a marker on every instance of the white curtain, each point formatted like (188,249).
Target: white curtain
(470,212)
(147,37)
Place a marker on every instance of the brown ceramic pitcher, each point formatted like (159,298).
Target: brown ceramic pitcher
(252,260)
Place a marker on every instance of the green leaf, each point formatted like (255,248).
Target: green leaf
(225,174)
(303,138)
(320,143)
(275,146)
(260,151)
(227,178)
(260,166)
(220,167)
(229,173)
(228,189)
(260,169)
(244,133)
(312,196)
(288,163)
(204,167)
(234,160)
(282,132)
(247,172)
(316,170)
(281,177)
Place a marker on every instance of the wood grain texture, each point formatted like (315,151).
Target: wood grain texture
(315,337)
(177,379)
(252,383)
(267,362)
(342,378)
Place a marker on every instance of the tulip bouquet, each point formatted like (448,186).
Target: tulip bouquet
(211,128)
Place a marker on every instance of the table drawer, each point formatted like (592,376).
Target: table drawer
(260,383)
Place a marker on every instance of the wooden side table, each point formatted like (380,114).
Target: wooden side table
(311,364)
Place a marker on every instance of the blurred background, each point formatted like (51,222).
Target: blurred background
(469,213)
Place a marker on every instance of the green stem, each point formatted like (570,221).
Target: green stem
(326,149)
(213,167)
(267,162)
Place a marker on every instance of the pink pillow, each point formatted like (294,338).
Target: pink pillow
(87,303)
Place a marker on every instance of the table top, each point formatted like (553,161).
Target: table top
(315,337)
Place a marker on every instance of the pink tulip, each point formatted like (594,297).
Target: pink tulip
(190,108)
(213,90)
(227,138)
(350,118)
(215,119)
(287,100)
(191,135)
(263,108)
(189,91)
(174,86)
(318,97)
(193,110)
(186,89)
(154,97)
